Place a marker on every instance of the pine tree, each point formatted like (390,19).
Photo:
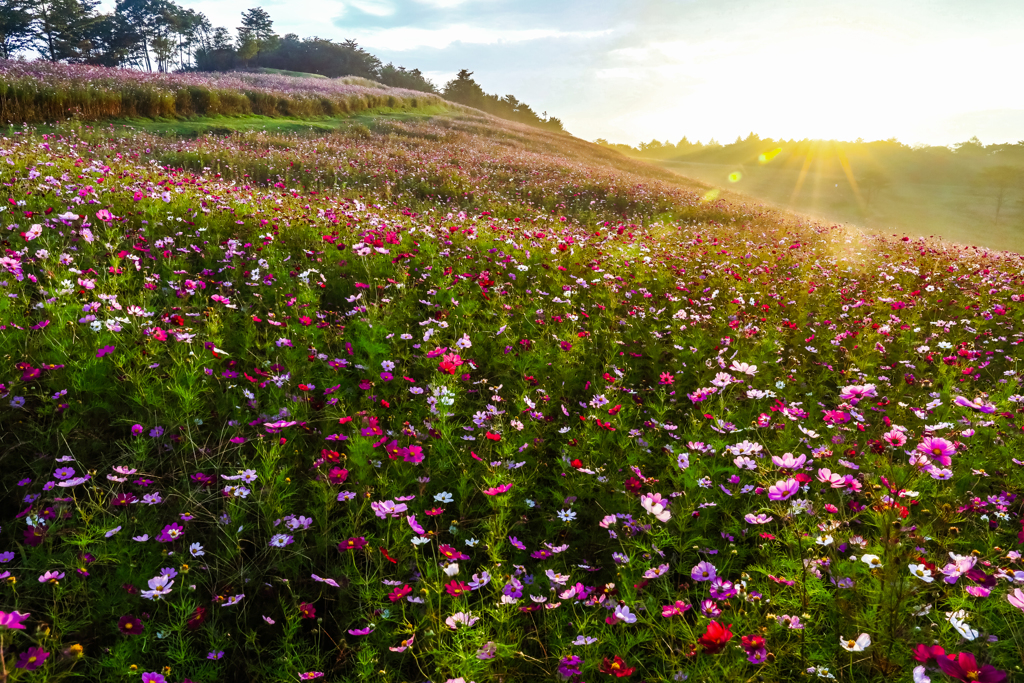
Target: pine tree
(258,29)
(464,90)
(15,27)
(61,28)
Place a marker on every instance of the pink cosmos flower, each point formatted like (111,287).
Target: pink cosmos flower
(781,490)
(1016,598)
(461,618)
(856,392)
(704,571)
(834,479)
(656,506)
(757,519)
(361,631)
(938,449)
(16,619)
(51,577)
(895,438)
(674,610)
(787,461)
(414,525)
(404,645)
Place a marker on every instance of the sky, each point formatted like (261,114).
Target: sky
(922,71)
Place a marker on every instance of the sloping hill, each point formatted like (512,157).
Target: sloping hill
(44,92)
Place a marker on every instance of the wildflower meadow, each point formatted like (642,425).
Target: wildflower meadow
(459,400)
(40,91)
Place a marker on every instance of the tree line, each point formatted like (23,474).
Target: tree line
(160,35)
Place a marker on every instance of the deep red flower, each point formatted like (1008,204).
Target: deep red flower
(354,543)
(307,611)
(34,536)
(399,593)
(924,653)
(197,619)
(617,667)
(752,643)
(129,625)
(716,637)
(121,500)
(456,588)
(964,667)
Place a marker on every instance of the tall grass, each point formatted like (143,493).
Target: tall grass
(34,92)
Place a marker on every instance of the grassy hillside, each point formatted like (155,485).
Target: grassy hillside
(879,186)
(282,72)
(459,400)
(43,92)
(961,212)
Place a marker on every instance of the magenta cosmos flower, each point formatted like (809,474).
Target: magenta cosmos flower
(129,625)
(937,449)
(13,620)
(964,667)
(32,659)
(354,543)
(781,490)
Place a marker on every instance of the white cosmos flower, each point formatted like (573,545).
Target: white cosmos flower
(862,643)
(922,572)
(873,561)
(958,620)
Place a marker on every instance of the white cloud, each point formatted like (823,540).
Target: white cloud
(442,4)
(376,8)
(409,38)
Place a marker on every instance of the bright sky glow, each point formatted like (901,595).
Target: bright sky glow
(923,71)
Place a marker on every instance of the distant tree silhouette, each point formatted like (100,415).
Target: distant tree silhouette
(400,77)
(872,181)
(464,90)
(999,179)
(972,147)
(256,32)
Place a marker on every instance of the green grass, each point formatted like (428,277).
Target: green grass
(223,125)
(283,72)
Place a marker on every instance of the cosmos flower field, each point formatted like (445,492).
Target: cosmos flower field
(41,91)
(461,400)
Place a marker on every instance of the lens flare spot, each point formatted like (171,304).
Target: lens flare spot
(735,177)
(768,156)
(711,195)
